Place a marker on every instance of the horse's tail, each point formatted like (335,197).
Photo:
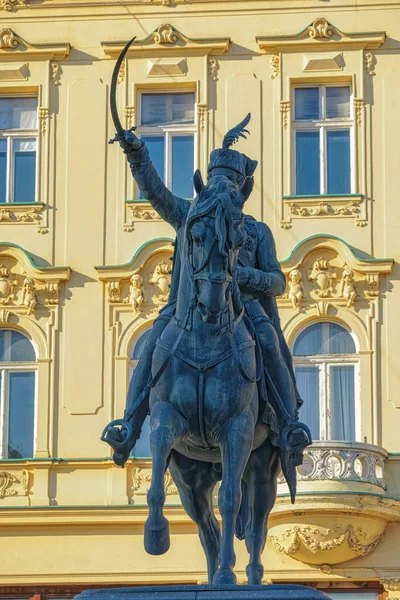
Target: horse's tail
(243,515)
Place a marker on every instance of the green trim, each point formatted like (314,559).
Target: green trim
(305,196)
(138,251)
(31,260)
(22,204)
(144,201)
(333,237)
(343,493)
(300,33)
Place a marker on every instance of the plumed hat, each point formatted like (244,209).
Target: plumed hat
(225,158)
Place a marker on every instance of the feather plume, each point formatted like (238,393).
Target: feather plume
(237,132)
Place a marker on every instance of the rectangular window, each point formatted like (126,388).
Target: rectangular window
(322,137)
(18,149)
(167,126)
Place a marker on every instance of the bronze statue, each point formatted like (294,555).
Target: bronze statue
(216,373)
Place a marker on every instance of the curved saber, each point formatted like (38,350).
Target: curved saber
(113,102)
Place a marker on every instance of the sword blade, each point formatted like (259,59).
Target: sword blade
(113,90)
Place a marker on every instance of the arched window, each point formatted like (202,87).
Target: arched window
(17,395)
(142,446)
(326,364)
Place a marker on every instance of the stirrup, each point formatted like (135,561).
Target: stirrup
(119,434)
(295,438)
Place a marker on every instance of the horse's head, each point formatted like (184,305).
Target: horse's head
(215,233)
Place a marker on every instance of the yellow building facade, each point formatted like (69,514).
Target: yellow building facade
(84,269)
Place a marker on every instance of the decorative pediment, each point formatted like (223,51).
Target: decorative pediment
(26,288)
(323,271)
(320,33)
(166,37)
(140,286)
(12,44)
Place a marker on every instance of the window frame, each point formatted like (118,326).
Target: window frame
(7,367)
(323,125)
(11,135)
(325,362)
(169,131)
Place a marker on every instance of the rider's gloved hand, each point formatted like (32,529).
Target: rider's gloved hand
(242,275)
(129,142)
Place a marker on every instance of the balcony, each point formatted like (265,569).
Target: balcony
(342,506)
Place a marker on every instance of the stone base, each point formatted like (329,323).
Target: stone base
(205,592)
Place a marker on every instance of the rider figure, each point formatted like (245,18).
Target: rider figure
(260,280)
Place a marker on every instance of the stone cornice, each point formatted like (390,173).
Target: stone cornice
(320,34)
(30,267)
(168,39)
(14,46)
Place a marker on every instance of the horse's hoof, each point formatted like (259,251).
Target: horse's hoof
(255,573)
(156,536)
(224,577)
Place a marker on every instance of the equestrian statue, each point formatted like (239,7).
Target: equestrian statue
(216,374)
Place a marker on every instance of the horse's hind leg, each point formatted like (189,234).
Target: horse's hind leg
(196,481)
(260,477)
(235,441)
(168,428)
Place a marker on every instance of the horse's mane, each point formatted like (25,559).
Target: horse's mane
(220,201)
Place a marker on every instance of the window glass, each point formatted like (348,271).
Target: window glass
(307,163)
(307,379)
(15,347)
(18,113)
(21,414)
(338,154)
(165,109)
(338,102)
(306,104)
(3,170)
(342,402)
(324,338)
(182,165)
(24,170)
(155,145)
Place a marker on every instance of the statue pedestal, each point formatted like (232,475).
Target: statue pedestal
(205,592)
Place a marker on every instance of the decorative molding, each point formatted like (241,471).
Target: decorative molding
(284,109)
(11,5)
(369,63)
(391,585)
(320,33)
(358,109)
(9,40)
(275,66)
(11,485)
(326,206)
(136,293)
(139,212)
(160,278)
(213,68)
(43,117)
(290,542)
(130,113)
(202,111)
(30,297)
(24,213)
(168,38)
(167,67)
(170,488)
(122,72)
(323,272)
(55,73)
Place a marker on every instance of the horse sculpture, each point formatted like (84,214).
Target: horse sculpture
(204,408)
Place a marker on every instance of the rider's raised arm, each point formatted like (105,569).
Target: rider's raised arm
(268,277)
(170,207)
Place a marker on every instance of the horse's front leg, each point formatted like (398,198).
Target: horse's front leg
(236,441)
(168,428)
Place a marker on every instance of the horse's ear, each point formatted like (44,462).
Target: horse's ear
(198,181)
(246,188)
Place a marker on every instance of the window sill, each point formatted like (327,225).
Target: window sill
(325,206)
(27,213)
(138,211)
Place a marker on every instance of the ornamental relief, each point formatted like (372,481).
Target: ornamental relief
(323,279)
(31,215)
(348,207)
(139,212)
(14,484)
(23,292)
(146,289)
(140,480)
